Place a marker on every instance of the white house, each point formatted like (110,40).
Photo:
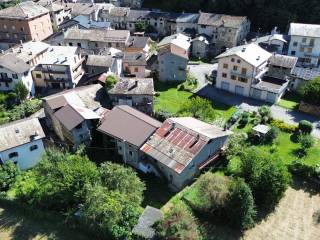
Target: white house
(242,70)
(17,63)
(22,142)
(273,43)
(305,44)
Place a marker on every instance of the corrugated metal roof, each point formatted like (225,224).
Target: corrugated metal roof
(179,140)
(283,61)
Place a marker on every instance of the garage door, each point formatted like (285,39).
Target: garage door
(256,93)
(239,90)
(225,86)
(271,97)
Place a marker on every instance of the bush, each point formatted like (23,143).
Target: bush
(236,143)
(308,173)
(283,126)
(110,82)
(266,175)
(265,112)
(272,135)
(240,208)
(306,142)
(178,223)
(8,175)
(310,91)
(305,127)
(244,119)
(110,213)
(21,91)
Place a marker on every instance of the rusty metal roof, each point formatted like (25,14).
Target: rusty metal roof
(179,140)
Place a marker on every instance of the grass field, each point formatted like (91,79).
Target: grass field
(171,100)
(290,101)
(16,224)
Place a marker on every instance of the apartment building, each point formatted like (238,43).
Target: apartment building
(173,56)
(242,70)
(24,22)
(17,63)
(97,40)
(226,31)
(60,68)
(305,44)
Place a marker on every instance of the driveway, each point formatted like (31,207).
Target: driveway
(249,104)
(200,71)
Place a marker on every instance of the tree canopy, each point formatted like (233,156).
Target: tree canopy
(310,92)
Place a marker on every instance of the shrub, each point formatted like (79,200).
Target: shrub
(178,223)
(8,175)
(244,119)
(110,82)
(283,126)
(240,208)
(305,171)
(305,127)
(272,134)
(266,175)
(236,143)
(265,112)
(110,213)
(21,91)
(306,141)
(310,91)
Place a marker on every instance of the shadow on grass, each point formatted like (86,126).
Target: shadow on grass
(21,224)
(299,183)
(157,193)
(165,86)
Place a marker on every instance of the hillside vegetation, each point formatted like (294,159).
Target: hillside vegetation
(264,14)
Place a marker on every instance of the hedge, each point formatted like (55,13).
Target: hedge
(285,127)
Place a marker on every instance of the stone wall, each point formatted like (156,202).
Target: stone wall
(308,108)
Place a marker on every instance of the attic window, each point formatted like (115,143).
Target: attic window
(13,154)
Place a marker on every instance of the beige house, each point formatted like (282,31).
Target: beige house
(242,70)
(60,68)
(134,64)
(24,22)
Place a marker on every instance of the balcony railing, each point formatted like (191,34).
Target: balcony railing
(5,79)
(239,74)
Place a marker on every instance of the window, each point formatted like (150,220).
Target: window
(238,61)
(136,69)
(233,77)
(225,65)
(38,75)
(235,68)
(304,40)
(120,148)
(96,44)
(311,42)
(79,44)
(224,75)
(109,45)
(15,76)
(309,50)
(13,154)
(117,45)
(22,29)
(301,49)
(242,79)
(33,147)
(293,53)
(244,71)
(232,59)
(130,152)
(295,44)
(70,44)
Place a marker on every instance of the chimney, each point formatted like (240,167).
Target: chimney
(243,49)
(258,58)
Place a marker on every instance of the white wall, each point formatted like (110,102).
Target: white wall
(26,158)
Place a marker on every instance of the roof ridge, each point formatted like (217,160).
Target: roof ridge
(120,107)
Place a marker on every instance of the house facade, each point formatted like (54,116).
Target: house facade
(226,31)
(274,43)
(95,39)
(127,129)
(200,47)
(17,64)
(181,148)
(134,64)
(72,114)
(173,57)
(281,66)
(24,22)
(300,76)
(305,44)
(242,71)
(61,68)
(22,143)
(134,92)
(97,64)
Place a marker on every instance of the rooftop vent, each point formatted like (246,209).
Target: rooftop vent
(17,130)
(243,49)
(258,58)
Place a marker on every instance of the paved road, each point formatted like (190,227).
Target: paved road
(248,104)
(200,71)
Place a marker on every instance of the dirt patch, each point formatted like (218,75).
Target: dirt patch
(296,218)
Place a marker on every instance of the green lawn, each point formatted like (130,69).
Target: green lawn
(286,148)
(171,100)
(290,101)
